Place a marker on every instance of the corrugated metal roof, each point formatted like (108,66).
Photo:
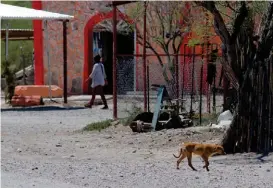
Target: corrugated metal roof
(15,12)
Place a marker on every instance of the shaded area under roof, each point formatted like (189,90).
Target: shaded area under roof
(17,34)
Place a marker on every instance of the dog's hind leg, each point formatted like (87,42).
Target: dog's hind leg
(189,156)
(206,162)
(183,156)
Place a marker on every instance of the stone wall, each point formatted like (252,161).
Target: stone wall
(75,43)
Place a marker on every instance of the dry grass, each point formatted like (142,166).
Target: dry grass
(98,126)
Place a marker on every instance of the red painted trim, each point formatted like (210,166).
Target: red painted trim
(88,44)
(38,46)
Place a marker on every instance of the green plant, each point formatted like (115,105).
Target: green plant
(9,75)
(97,126)
(14,52)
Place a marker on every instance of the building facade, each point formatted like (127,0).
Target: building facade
(84,38)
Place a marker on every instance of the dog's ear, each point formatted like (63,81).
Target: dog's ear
(215,148)
(218,148)
(221,147)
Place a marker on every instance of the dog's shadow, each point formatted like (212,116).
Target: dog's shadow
(243,159)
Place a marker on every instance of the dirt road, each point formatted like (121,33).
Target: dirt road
(43,149)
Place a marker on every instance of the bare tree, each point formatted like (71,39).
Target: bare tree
(168,22)
(248,62)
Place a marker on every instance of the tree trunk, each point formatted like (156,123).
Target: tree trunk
(252,126)
(248,64)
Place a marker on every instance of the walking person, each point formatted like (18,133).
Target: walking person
(98,78)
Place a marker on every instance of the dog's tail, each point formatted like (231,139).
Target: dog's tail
(181,151)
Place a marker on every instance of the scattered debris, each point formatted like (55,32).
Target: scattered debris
(143,122)
(226,115)
(224,121)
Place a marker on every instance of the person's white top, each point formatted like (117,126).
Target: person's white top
(98,75)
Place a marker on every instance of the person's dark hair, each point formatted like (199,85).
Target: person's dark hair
(97,58)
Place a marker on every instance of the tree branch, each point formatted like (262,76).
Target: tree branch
(239,20)
(226,15)
(170,19)
(148,45)
(157,55)
(181,41)
(161,22)
(229,6)
(173,44)
(267,35)
(219,23)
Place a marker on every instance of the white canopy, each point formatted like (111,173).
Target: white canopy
(15,12)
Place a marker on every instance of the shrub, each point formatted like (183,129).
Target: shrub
(9,75)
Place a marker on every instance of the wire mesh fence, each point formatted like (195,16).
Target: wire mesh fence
(129,97)
(191,84)
(194,88)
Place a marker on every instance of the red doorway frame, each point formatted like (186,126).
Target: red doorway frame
(88,42)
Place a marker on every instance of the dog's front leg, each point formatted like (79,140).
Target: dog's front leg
(207,166)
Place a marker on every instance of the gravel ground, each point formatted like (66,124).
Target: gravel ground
(43,149)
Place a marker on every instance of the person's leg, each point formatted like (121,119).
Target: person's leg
(91,102)
(100,91)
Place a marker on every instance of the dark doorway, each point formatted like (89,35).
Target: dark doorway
(125,45)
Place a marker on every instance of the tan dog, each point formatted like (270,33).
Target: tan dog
(203,150)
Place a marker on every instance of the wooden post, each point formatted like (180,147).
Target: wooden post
(144,59)
(115,114)
(177,81)
(192,80)
(201,86)
(7,41)
(65,59)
